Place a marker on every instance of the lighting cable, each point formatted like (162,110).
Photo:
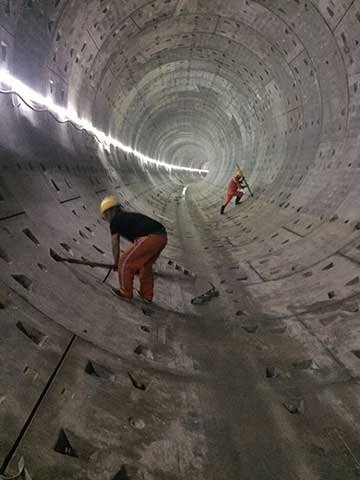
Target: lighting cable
(66,116)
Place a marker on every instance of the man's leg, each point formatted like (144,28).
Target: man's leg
(239,197)
(156,243)
(226,203)
(146,278)
(128,267)
(144,251)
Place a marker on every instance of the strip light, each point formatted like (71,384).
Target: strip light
(46,103)
(185,190)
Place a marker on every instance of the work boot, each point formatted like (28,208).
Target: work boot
(146,301)
(222,210)
(143,299)
(117,293)
(237,201)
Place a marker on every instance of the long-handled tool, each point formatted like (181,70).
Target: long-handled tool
(107,275)
(76,261)
(247,186)
(246,183)
(110,267)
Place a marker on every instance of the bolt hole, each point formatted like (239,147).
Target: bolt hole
(31,332)
(67,248)
(83,235)
(31,236)
(136,384)
(63,445)
(353,282)
(328,267)
(99,250)
(4,256)
(55,185)
(23,280)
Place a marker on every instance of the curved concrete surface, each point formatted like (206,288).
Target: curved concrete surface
(261,382)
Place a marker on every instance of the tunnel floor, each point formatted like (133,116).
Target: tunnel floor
(172,391)
(248,364)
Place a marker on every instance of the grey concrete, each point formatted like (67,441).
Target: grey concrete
(263,381)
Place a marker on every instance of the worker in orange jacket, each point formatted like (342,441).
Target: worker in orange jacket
(148,238)
(234,190)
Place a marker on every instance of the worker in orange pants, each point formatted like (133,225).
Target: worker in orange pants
(234,190)
(139,259)
(148,238)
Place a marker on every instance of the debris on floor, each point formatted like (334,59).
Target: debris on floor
(22,473)
(295,406)
(206,297)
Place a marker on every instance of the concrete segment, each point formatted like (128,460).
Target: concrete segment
(259,383)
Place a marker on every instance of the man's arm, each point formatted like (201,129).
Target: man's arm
(242,183)
(115,243)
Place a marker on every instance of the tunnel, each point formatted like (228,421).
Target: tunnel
(247,364)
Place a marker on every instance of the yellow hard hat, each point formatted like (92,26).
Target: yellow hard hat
(239,172)
(107,203)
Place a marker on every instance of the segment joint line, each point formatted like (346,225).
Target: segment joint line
(34,411)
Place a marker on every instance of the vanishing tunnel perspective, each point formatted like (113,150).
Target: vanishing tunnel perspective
(220,139)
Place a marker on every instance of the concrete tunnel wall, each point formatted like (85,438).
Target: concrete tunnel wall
(91,388)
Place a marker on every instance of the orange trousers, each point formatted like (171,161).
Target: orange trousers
(230,196)
(139,260)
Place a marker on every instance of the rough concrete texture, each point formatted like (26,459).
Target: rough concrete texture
(260,383)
